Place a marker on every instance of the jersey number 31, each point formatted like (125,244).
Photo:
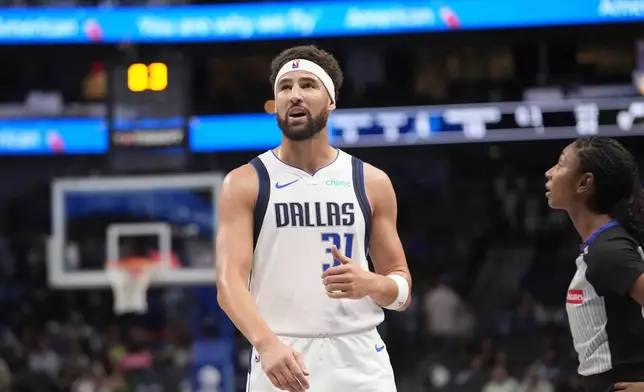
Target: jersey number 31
(336,239)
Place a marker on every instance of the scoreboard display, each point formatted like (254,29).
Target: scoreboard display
(148,102)
(488,122)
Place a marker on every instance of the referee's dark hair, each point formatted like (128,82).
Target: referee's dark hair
(616,192)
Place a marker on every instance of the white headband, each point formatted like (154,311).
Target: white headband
(308,66)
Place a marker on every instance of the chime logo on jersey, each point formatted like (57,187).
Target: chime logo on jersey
(575,297)
(338,183)
(314,214)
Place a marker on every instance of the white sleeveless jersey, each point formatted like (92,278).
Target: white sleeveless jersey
(298,217)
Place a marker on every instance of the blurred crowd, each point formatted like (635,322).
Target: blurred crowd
(490,261)
(491,264)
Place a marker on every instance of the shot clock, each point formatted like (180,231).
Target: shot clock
(147,77)
(148,102)
(148,109)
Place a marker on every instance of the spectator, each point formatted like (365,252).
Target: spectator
(446,316)
(534,383)
(44,360)
(5,376)
(500,381)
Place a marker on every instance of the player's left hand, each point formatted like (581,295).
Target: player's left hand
(347,280)
(629,386)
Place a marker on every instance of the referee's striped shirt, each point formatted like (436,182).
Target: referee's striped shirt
(607,325)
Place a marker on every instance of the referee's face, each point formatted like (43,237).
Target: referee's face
(563,180)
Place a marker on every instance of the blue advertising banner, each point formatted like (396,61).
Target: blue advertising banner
(234,132)
(235,22)
(356,127)
(52,136)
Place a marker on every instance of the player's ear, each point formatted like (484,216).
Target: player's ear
(331,105)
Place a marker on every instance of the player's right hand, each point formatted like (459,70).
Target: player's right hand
(284,367)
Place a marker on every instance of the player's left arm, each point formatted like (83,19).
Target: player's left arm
(385,248)
(390,285)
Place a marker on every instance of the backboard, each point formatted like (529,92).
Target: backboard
(170,219)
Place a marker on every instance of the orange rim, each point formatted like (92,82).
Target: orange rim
(133,265)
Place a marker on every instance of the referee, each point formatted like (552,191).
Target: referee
(596,183)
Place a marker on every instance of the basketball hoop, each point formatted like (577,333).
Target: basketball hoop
(130,280)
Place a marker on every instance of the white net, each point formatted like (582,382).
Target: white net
(130,286)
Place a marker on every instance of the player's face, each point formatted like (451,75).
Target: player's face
(302,104)
(566,185)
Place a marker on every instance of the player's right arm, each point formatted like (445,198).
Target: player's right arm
(234,259)
(234,254)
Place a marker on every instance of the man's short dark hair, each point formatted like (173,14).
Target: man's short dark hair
(314,54)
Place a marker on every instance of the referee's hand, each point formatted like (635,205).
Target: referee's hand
(629,386)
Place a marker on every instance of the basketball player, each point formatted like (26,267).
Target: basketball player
(295,226)
(596,181)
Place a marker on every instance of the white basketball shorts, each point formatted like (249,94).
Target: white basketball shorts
(356,363)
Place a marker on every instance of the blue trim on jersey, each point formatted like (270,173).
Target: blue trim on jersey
(263,195)
(597,232)
(359,187)
(250,367)
(303,171)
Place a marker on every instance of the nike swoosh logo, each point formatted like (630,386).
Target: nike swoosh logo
(379,349)
(280,186)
